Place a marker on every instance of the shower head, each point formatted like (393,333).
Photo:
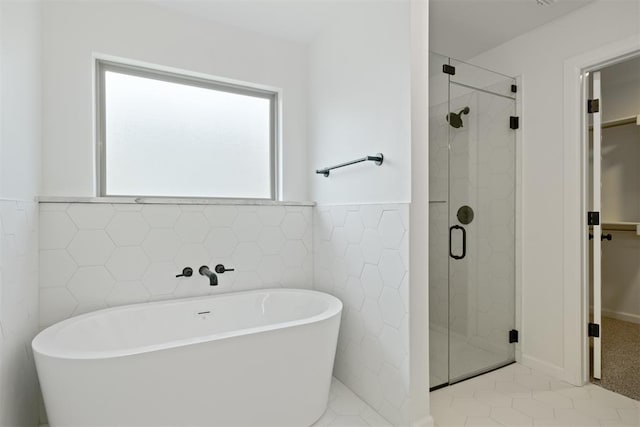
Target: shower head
(455,120)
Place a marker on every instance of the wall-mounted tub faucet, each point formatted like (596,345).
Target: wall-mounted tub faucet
(213,278)
(220,268)
(186,272)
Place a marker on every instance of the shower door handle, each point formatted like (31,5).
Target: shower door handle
(464,242)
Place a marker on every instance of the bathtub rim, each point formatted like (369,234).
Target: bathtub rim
(40,341)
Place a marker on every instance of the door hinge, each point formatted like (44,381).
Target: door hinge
(593,106)
(594,330)
(513,336)
(514,88)
(449,69)
(593,218)
(514,122)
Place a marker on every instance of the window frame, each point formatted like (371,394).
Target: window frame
(185,78)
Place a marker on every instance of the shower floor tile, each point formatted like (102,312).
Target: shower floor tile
(346,409)
(518,396)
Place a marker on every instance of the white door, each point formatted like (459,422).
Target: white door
(597,227)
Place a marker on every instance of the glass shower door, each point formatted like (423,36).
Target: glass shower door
(481,219)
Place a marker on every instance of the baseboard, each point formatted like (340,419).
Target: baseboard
(619,315)
(543,367)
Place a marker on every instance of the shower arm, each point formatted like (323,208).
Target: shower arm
(378,159)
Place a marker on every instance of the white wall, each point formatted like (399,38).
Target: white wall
(539,58)
(419,218)
(355,80)
(359,104)
(20,106)
(21,100)
(621,90)
(621,276)
(73,31)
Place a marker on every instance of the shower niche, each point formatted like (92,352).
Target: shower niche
(472,142)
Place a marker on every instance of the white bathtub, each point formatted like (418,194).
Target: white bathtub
(258,358)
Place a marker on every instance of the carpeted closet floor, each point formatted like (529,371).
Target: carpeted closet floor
(621,357)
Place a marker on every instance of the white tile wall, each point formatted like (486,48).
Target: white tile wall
(361,256)
(18,312)
(471,304)
(345,409)
(94,256)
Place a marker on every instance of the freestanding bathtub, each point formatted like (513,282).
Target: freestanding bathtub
(257,358)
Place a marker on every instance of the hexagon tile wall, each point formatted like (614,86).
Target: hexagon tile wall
(94,256)
(361,256)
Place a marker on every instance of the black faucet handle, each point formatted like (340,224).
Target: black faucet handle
(186,272)
(220,268)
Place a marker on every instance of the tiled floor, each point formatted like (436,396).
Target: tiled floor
(517,396)
(511,396)
(348,410)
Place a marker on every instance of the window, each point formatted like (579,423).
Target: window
(168,135)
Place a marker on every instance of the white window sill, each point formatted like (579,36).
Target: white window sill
(168,201)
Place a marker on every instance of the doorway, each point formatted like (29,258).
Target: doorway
(613,202)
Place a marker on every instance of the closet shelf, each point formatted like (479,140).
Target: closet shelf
(620,122)
(621,226)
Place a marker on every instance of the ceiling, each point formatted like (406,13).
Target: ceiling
(458,28)
(465,28)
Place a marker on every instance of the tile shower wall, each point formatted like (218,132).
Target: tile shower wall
(361,256)
(471,300)
(94,256)
(18,311)
(482,285)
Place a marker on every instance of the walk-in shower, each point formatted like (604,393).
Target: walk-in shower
(472,220)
